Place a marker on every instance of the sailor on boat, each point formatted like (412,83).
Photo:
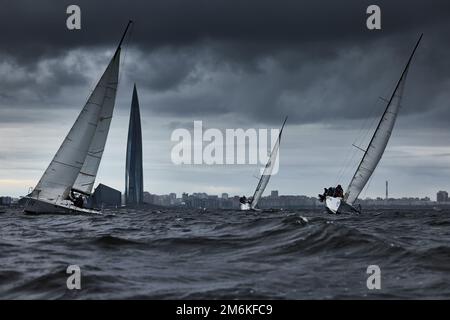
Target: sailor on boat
(78,201)
(245,200)
(337,192)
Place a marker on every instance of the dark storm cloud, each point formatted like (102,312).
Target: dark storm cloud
(41,79)
(259,24)
(312,60)
(310,88)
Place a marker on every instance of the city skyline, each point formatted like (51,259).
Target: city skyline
(104,196)
(438,196)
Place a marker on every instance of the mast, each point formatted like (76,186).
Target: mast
(123,36)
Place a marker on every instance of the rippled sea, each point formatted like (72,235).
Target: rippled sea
(175,254)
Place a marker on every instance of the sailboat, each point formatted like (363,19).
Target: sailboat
(374,151)
(265,177)
(74,167)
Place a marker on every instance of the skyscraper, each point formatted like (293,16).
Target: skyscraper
(442,196)
(134,181)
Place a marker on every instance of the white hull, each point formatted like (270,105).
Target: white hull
(333,204)
(337,205)
(247,207)
(41,206)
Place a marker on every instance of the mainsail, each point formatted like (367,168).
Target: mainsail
(265,177)
(380,138)
(83,146)
(86,178)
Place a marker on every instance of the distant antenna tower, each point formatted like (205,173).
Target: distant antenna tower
(387,190)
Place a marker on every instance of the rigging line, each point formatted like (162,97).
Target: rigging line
(368,124)
(345,163)
(372,125)
(364,137)
(349,157)
(369,116)
(348,164)
(361,137)
(343,166)
(350,153)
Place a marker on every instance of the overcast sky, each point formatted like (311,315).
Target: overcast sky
(232,64)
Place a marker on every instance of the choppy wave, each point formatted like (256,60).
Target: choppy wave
(225,255)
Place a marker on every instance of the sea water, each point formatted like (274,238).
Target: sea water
(194,254)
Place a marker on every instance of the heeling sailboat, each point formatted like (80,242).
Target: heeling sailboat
(265,177)
(375,149)
(75,164)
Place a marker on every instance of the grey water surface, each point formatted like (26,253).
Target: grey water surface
(194,254)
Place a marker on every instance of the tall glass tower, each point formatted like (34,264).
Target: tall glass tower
(134,181)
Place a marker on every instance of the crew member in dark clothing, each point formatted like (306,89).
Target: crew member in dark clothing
(77,200)
(330,192)
(245,200)
(339,192)
(327,192)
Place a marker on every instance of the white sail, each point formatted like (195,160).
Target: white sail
(86,178)
(377,145)
(60,176)
(265,177)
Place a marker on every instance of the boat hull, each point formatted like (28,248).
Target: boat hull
(336,205)
(248,207)
(41,206)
